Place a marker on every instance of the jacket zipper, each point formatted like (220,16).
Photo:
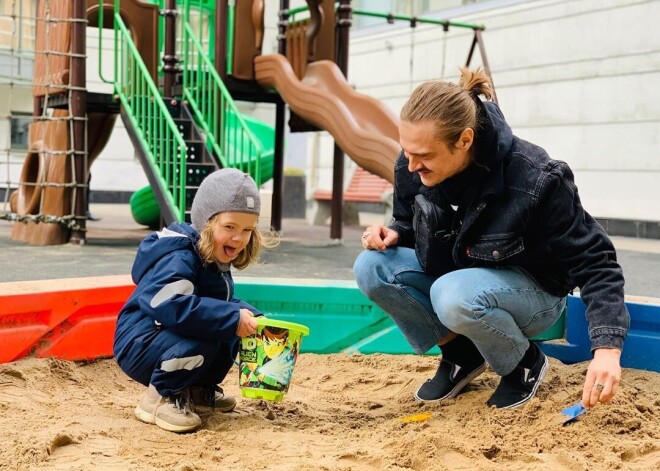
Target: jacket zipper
(467,223)
(227,285)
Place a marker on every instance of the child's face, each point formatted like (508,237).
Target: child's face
(231,234)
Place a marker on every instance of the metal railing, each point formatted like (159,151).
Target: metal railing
(391,17)
(152,121)
(213,107)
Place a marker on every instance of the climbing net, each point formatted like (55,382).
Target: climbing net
(37,152)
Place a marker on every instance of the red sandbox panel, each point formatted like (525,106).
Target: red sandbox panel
(72,319)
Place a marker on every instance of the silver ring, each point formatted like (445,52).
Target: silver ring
(366,234)
(598,387)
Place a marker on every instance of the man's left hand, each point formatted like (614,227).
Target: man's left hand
(603,377)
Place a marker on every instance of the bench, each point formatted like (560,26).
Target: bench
(364,187)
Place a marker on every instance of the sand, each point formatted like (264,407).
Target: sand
(341,413)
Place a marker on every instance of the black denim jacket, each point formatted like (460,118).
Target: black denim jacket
(526,213)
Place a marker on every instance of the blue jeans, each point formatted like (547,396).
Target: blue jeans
(497,308)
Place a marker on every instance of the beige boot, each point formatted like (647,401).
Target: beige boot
(209,398)
(169,413)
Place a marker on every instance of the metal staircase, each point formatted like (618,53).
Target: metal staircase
(199,159)
(181,139)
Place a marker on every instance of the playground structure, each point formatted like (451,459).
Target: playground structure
(178,143)
(180,112)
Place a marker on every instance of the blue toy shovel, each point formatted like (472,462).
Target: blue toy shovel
(573,413)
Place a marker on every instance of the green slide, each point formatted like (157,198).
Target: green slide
(144,206)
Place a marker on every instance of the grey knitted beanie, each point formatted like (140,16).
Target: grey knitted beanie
(225,190)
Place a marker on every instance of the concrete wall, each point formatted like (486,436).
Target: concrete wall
(579,78)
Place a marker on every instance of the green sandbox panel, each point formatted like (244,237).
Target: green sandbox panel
(388,340)
(340,318)
(338,315)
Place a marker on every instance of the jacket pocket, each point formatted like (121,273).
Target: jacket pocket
(496,248)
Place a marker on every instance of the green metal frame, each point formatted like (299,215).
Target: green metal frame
(100,61)
(431,21)
(213,107)
(144,105)
(390,16)
(231,25)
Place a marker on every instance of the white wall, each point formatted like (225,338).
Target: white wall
(579,78)
(117,167)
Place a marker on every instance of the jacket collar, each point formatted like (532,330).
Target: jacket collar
(493,143)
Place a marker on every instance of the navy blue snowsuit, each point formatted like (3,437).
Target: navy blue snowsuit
(178,328)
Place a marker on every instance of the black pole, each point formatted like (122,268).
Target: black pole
(79,116)
(341,58)
(477,40)
(280,111)
(484,59)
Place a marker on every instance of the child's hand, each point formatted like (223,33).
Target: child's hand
(247,324)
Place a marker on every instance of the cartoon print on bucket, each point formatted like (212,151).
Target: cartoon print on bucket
(267,359)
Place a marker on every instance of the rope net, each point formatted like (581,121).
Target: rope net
(37,121)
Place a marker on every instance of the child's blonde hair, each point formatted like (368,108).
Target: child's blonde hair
(247,256)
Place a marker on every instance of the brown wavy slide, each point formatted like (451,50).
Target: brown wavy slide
(362,126)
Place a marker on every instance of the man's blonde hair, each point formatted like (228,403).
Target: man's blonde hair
(247,256)
(452,108)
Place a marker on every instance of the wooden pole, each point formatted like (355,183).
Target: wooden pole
(169,55)
(78,103)
(221,39)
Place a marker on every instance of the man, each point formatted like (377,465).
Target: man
(512,240)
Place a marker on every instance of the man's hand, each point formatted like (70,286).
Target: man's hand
(247,324)
(603,376)
(377,237)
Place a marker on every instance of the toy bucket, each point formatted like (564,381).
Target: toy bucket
(267,359)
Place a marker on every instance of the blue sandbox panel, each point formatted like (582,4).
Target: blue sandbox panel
(640,349)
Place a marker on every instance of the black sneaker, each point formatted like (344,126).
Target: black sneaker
(448,381)
(521,384)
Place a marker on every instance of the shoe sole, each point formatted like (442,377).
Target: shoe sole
(536,386)
(144,416)
(149,418)
(459,386)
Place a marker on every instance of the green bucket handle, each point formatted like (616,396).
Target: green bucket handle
(264,321)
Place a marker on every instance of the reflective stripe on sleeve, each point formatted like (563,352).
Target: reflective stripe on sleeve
(170,290)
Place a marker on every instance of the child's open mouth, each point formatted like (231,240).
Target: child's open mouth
(230,251)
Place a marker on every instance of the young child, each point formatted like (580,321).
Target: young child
(178,332)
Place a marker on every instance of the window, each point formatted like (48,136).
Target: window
(20,124)
(17,30)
